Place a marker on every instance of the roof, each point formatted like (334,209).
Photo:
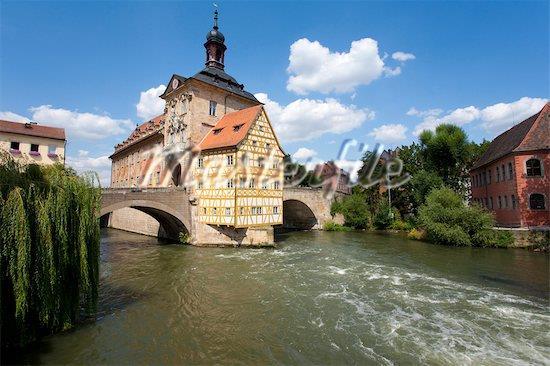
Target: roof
(32,129)
(215,77)
(231,129)
(528,135)
(140,133)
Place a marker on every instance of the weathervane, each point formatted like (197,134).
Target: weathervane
(215,15)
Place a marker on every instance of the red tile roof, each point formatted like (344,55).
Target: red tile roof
(31,129)
(231,129)
(142,131)
(531,134)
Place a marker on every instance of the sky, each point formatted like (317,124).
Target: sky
(376,72)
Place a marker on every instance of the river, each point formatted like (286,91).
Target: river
(319,298)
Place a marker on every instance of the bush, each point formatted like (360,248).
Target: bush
(332,226)
(355,210)
(448,221)
(384,218)
(184,238)
(401,225)
(416,234)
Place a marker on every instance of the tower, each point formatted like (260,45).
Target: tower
(215,47)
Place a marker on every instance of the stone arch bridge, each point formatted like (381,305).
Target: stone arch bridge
(174,208)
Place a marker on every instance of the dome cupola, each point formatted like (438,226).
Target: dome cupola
(215,47)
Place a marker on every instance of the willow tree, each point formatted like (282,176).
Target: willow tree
(49,250)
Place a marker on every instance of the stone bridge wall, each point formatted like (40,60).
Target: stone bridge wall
(301,203)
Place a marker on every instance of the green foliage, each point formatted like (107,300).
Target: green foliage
(401,225)
(332,226)
(49,250)
(184,238)
(416,234)
(355,210)
(384,217)
(447,220)
(421,184)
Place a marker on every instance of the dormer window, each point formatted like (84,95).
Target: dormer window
(14,145)
(212,109)
(217,131)
(237,127)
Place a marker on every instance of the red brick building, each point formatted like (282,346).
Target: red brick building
(512,178)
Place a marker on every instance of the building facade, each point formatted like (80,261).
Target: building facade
(214,140)
(30,143)
(512,178)
(333,178)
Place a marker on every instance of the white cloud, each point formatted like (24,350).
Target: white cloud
(403,56)
(389,133)
(150,104)
(501,116)
(495,118)
(430,112)
(13,117)
(389,72)
(313,67)
(85,163)
(306,119)
(77,124)
(304,153)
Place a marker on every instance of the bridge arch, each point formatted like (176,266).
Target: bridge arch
(298,215)
(171,221)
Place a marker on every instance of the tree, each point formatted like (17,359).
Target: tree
(446,152)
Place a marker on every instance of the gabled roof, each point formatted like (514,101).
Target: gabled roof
(531,134)
(231,129)
(215,77)
(32,129)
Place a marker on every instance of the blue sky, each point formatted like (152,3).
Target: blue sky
(83,65)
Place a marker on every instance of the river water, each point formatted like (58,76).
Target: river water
(319,298)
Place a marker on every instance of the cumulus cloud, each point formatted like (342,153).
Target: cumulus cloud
(85,125)
(501,116)
(389,133)
(495,118)
(403,56)
(305,119)
(150,104)
(304,153)
(83,162)
(313,67)
(13,117)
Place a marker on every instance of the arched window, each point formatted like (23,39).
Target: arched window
(536,201)
(533,168)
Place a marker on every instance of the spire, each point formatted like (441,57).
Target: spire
(215,47)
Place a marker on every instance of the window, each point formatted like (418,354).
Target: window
(258,210)
(513,202)
(34,149)
(261,128)
(229,159)
(242,182)
(536,201)
(212,109)
(230,183)
(251,184)
(237,127)
(498,174)
(506,201)
(491,202)
(228,211)
(217,131)
(254,142)
(489,176)
(499,202)
(268,146)
(214,211)
(14,145)
(241,210)
(253,210)
(503,173)
(261,162)
(204,210)
(510,171)
(200,162)
(275,209)
(276,185)
(275,164)
(264,184)
(484,178)
(200,184)
(533,168)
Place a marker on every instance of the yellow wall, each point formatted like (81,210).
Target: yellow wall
(25,142)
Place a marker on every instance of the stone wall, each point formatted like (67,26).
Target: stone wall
(135,221)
